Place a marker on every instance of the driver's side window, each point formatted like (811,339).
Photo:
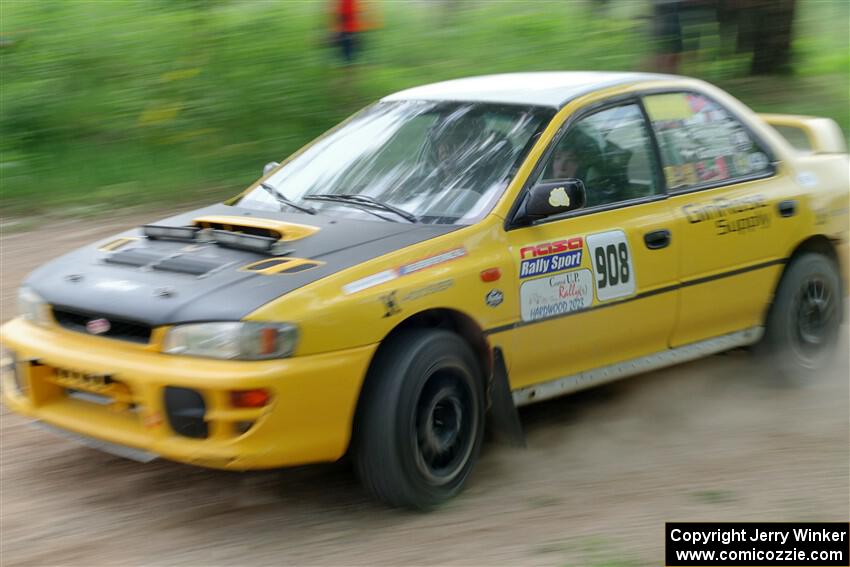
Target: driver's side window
(611,152)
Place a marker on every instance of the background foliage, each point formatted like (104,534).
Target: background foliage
(106,104)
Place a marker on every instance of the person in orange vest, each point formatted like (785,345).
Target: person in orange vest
(348,25)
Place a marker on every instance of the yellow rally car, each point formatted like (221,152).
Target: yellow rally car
(450,252)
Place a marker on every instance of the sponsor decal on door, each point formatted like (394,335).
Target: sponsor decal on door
(558,294)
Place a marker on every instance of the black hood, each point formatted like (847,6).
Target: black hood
(204,282)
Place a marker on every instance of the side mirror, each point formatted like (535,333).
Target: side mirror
(552,198)
(269,166)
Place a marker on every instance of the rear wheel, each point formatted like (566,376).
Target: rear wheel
(421,420)
(803,323)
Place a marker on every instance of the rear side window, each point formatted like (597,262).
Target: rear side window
(701,143)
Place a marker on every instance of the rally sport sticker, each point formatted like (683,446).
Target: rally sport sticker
(558,294)
(550,257)
(612,264)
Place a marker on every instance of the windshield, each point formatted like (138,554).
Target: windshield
(442,162)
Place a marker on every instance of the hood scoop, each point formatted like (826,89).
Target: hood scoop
(258,235)
(245,233)
(267,228)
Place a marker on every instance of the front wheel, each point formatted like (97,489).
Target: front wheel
(804,321)
(421,420)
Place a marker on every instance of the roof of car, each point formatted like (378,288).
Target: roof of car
(553,89)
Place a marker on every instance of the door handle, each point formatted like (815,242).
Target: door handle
(657,239)
(787,208)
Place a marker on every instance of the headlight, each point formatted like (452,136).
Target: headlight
(237,340)
(32,307)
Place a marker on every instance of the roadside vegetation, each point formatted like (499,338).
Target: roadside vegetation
(105,105)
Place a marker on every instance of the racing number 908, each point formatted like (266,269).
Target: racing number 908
(612,265)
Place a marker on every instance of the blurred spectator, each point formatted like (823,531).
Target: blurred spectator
(762,28)
(347,27)
(667,32)
(677,26)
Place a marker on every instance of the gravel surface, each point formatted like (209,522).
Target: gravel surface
(604,469)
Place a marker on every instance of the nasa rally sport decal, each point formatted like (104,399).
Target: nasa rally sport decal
(550,257)
(611,260)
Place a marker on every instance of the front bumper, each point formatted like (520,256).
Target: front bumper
(308,418)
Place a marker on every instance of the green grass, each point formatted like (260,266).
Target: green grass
(593,552)
(717,496)
(111,104)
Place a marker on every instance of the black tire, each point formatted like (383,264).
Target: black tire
(804,320)
(420,421)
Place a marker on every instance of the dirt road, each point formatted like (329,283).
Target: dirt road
(604,470)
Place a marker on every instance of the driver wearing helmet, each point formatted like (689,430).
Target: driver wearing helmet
(573,157)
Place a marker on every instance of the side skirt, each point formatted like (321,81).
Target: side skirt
(605,374)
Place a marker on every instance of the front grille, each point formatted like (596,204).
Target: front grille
(102,390)
(118,328)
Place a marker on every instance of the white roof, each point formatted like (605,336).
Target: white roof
(540,89)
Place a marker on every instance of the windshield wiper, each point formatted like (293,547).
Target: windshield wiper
(286,201)
(364,201)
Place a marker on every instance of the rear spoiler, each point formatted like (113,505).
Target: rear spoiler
(809,134)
